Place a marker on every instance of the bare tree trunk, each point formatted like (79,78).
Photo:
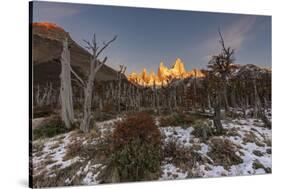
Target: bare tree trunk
(67,112)
(154,96)
(257,103)
(233,101)
(157,100)
(85,125)
(195,92)
(217,114)
(258,109)
(209,101)
(95,65)
(138,102)
(119,80)
(174,93)
(226,105)
(169,103)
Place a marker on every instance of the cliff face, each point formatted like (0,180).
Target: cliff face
(164,74)
(46,51)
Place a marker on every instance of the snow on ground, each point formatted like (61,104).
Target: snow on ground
(37,121)
(51,156)
(107,126)
(171,172)
(258,151)
(178,134)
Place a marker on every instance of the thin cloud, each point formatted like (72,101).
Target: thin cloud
(54,11)
(237,33)
(234,35)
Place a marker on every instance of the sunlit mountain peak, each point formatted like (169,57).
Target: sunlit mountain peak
(164,74)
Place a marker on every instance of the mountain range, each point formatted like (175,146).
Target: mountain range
(47,47)
(164,74)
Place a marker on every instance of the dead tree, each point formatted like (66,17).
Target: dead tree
(157,91)
(154,94)
(95,66)
(217,113)
(45,96)
(258,111)
(49,93)
(137,101)
(195,90)
(223,65)
(120,74)
(174,96)
(67,113)
(40,99)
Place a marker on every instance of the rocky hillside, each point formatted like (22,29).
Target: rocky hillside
(46,51)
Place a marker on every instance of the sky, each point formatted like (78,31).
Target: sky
(148,36)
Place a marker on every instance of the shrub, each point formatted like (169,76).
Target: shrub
(140,125)
(62,175)
(176,119)
(103,116)
(250,137)
(233,132)
(165,111)
(223,152)
(42,111)
(52,128)
(136,150)
(203,129)
(258,153)
(37,146)
(73,150)
(257,165)
(181,156)
(108,107)
(150,111)
(233,114)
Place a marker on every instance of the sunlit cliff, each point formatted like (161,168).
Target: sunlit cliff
(164,74)
(47,25)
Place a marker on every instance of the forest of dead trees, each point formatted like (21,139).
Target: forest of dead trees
(226,86)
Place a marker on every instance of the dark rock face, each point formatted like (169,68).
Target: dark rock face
(46,51)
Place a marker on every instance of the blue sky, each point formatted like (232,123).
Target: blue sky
(148,36)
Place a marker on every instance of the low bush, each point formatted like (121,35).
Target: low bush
(234,114)
(257,165)
(177,119)
(42,111)
(136,150)
(233,132)
(51,128)
(150,111)
(250,137)
(108,107)
(37,146)
(73,150)
(62,175)
(223,152)
(203,129)
(103,116)
(183,157)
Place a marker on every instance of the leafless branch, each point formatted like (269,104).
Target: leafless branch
(221,40)
(77,76)
(106,45)
(100,64)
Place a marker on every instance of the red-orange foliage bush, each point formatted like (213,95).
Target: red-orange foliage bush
(136,150)
(137,126)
